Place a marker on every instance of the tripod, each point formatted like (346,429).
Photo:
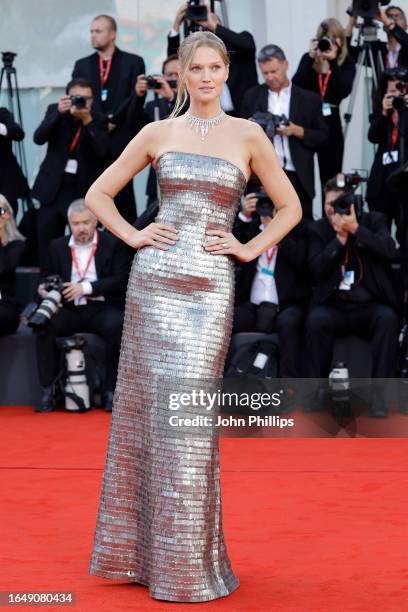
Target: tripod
(13,98)
(366,59)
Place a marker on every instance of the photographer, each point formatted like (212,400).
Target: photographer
(11,252)
(349,259)
(78,148)
(306,131)
(394,52)
(386,124)
(272,291)
(113,75)
(94,268)
(164,87)
(329,71)
(241,49)
(13,183)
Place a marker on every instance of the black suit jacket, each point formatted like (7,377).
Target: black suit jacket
(381,46)
(11,255)
(112,263)
(13,183)
(379,133)
(92,151)
(121,83)
(242,50)
(376,250)
(291,281)
(305,110)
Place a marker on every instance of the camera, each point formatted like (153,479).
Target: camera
(264,206)
(367,9)
(152,83)
(270,122)
(401,73)
(349,182)
(324,44)
(196,11)
(49,305)
(172,83)
(8,58)
(78,101)
(76,389)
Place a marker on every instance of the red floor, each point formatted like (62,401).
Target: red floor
(311,524)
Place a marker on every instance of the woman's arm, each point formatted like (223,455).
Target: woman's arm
(99,198)
(265,164)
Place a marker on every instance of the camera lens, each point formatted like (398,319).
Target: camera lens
(324,44)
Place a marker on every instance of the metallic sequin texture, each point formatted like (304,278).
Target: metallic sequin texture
(160,514)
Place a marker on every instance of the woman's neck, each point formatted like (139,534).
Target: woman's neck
(205,111)
(3,234)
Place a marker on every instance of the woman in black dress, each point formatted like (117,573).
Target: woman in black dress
(330,73)
(11,251)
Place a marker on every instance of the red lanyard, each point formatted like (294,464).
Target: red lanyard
(394,133)
(75,139)
(270,253)
(323,84)
(104,72)
(394,63)
(82,275)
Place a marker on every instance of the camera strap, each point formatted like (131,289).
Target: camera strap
(82,275)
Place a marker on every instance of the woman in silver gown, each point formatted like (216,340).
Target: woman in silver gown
(160,515)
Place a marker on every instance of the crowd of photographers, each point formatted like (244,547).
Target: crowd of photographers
(328,277)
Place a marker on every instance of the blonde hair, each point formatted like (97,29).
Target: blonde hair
(332,27)
(10,227)
(186,53)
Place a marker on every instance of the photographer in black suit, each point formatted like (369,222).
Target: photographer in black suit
(241,48)
(94,267)
(297,142)
(349,259)
(272,292)
(387,127)
(112,74)
(78,147)
(157,109)
(12,245)
(394,52)
(13,183)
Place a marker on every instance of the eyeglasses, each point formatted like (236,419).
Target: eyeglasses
(3,211)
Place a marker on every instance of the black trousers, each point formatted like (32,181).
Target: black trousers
(99,318)
(377,322)
(288,326)
(305,199)
(9,318)
(52,219)
(331,157)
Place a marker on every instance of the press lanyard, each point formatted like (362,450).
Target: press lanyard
(104,72)
(82,275)
(269,254)
(323,84)
(394,62)
(394,132)
(75,139)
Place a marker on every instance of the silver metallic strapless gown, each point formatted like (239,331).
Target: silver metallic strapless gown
(160,513)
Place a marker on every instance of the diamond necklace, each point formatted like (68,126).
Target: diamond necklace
(202,126)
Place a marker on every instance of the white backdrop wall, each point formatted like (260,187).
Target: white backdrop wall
(49,35)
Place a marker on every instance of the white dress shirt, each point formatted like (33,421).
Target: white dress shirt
(83,252)
(279,104)
(263,287)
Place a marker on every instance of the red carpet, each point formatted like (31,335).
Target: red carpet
(311,524)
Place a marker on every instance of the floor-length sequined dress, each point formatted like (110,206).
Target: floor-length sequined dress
(160,514)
